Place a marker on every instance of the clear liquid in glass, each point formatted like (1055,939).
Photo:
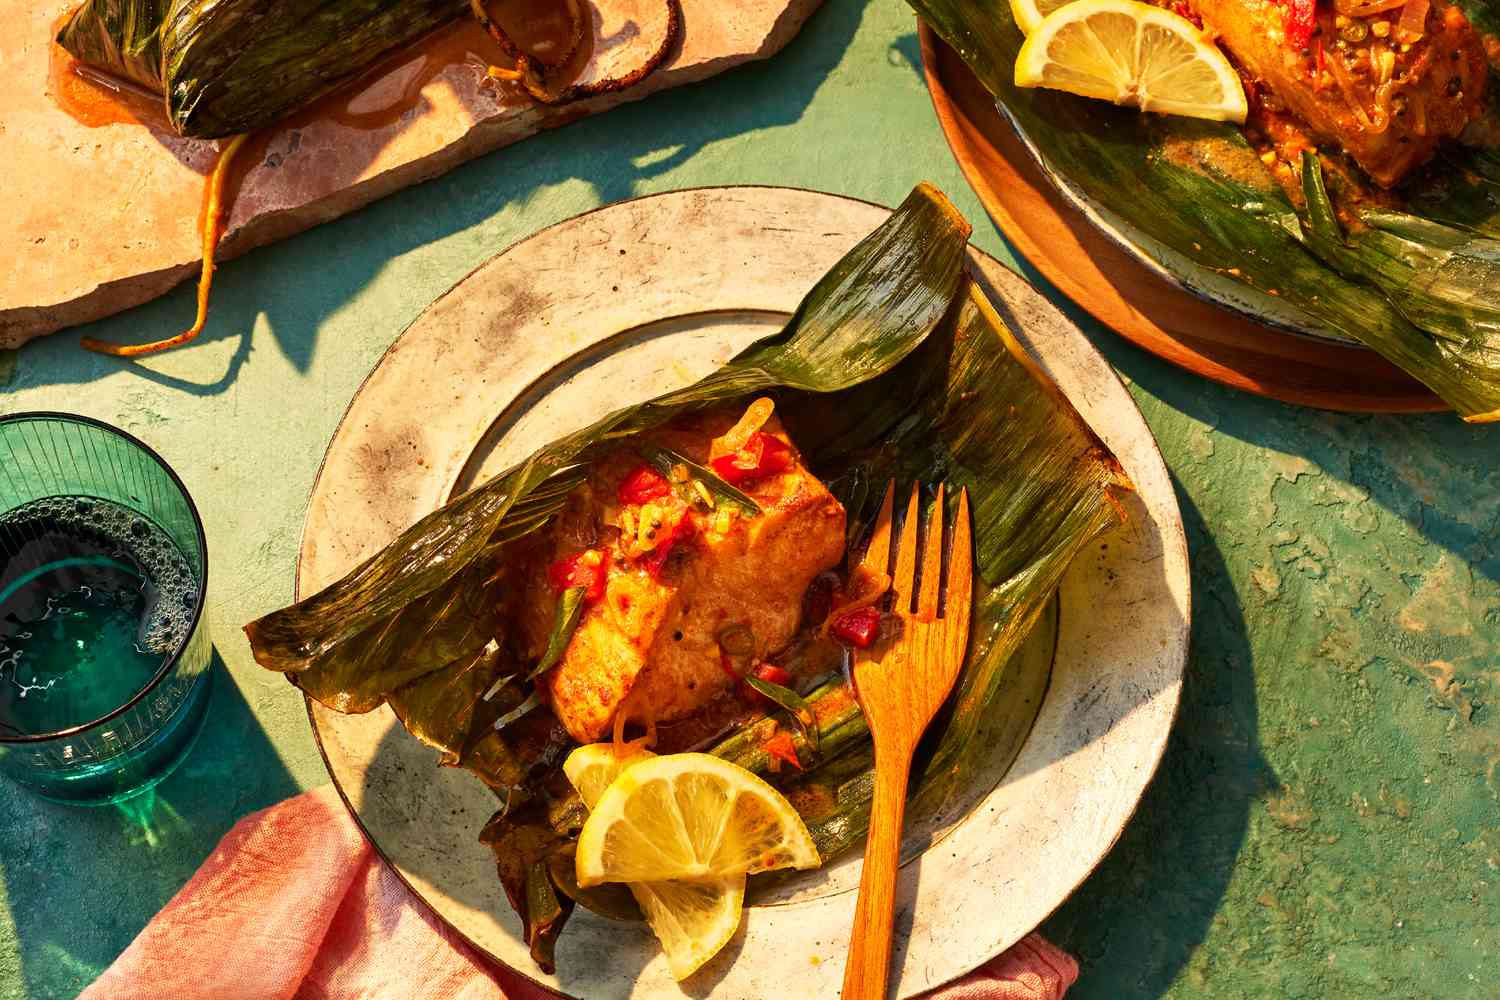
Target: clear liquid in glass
(94,599)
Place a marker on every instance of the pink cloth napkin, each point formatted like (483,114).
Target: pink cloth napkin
(294,905)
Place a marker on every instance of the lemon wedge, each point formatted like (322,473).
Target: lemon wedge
(692,920)
(1029,13)
(1133,54)
(690,816)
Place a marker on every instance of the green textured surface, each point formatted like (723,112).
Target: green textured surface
(1325,823)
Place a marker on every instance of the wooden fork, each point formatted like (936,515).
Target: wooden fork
(901,682)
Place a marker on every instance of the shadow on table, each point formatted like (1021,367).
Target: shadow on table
(1136,921)
(293,286)
(80,883)
(1434,471)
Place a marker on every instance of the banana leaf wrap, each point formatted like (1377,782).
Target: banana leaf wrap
(232,66)
(1194,198)
(122,37)
(894,366)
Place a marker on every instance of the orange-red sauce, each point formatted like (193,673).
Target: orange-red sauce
(542,30)
(94,98)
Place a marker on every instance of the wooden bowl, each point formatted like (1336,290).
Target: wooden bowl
(1117,290)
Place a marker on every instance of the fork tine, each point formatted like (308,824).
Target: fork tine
(906,554)
(960,590)
(877,558)
(932,562)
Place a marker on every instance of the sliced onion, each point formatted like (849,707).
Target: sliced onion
(756,415)
(1346,84)
(737,640)
(1383,104)
(1354,8)
(624,748)
(867,588)
(1383,63)
(1413,23)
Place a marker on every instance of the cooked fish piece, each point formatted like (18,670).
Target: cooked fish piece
(1386,102)
(648,650)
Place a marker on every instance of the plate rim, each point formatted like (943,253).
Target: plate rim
(1175,532)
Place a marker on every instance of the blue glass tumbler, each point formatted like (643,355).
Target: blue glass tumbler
(104,655)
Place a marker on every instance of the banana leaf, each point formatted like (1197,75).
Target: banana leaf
(412,608)
(894,366)
(971,409)
(1447,279)
(1194,202)
(232,66)
(122,37)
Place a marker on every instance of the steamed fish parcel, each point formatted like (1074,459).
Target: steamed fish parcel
(674,573)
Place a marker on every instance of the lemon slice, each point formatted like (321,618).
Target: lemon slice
(1133,54)
(692,920)
(1029,13)
(690,816)
(594,766)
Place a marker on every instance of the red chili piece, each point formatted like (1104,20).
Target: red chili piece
(643,485)
(1301,19)
(772,674)
(858,628)
(763,455)
(782,748)
(586,570)
(768,672)
(654,560)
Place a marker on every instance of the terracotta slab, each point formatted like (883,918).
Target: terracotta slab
(105,218)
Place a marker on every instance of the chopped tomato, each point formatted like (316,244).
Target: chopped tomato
(586,569)
(763,455)
(781,748)
(1301,19)
(654,560)
(768,672)
(857,628)
(643,485)
(727,665)
(772,674)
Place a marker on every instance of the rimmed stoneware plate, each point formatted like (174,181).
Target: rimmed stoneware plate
(645,296)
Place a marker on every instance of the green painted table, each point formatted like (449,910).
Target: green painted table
(1327,819)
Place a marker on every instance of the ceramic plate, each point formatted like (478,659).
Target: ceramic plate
(645,296)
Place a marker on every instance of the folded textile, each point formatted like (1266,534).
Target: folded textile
(294,904)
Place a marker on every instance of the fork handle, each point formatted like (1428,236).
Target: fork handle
(868,967)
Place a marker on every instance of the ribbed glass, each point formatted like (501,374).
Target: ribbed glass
(56,462)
